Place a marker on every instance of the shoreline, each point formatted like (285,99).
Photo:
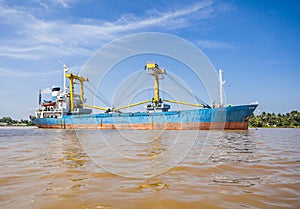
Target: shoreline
(294,127)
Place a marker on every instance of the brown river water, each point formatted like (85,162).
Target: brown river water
(46,169)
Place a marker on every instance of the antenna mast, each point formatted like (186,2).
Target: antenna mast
(221,82)
(66,69)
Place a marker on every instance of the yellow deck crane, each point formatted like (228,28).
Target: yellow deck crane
(156,103)
(157,73)
(73,78)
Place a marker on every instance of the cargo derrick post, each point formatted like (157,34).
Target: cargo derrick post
(73,78)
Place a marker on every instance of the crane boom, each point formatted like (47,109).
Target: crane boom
(132,105)
(184,103)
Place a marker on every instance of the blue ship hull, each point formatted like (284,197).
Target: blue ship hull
(229,118)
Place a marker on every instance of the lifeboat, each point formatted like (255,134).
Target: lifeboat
(46,104)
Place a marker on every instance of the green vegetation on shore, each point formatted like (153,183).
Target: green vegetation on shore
(288,120)
(8,121)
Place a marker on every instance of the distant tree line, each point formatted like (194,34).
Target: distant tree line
(9,121)
(291,119)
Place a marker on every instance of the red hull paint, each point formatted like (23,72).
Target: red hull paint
(151,126)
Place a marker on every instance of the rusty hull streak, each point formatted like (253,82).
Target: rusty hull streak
(156,126)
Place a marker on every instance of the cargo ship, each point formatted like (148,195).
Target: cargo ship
(68,110)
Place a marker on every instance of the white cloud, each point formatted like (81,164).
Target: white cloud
(26,53)
(38,38)
(209,44)
(62,3)
(14,73)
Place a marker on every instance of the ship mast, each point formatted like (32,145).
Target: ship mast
(40,97)
(221,83)
(66,69)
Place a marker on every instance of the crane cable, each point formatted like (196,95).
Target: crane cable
(187,91)
(131,89)
(98,94)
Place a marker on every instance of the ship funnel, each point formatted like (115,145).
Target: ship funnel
(55,92)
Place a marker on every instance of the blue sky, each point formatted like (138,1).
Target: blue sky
(256,43)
